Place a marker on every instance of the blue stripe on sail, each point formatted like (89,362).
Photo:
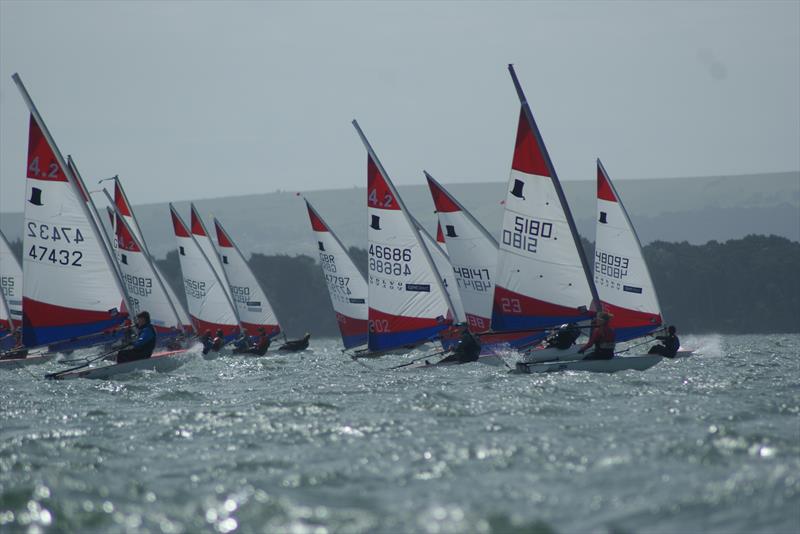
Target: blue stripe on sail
(632,332)
(354,341)
(512,323)
(379,342)
(63,335)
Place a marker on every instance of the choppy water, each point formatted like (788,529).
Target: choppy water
(316,443)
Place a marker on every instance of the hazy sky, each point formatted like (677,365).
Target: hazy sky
(189,100)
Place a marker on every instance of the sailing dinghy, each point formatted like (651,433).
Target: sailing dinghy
(346,285)
(71,295)
(208,296)
(408,305)
(125,211)
(252,305)
(161,362)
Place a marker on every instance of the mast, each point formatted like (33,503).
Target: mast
(71,178)
(406,214)
(556,184)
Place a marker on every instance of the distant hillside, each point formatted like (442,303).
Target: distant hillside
(695,210)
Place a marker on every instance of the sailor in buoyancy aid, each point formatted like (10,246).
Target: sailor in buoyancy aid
(564,337)
(206,341)
(145,343)
(670,344)
(219,341)
(261,345)
(603,339)
(467,350)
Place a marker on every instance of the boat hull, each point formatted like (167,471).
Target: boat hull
(619,363)
(492,360)
(161,362)
(15,363)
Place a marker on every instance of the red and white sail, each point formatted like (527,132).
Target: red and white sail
(473,254)
(620,271)
(346,285)
(203,238)
(251,302)
(441,261)
(124,208)
(146,292)
(10,282)
(207,294)
(5,318)
(542,275)
(70,285)
(407,302)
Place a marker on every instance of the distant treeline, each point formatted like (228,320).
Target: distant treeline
(749,285)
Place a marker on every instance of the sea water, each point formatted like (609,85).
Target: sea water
(314,443)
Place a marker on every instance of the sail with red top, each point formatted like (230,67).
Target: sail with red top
(252,305)
(408,304)
(70,284)
(620,271)
(207,294)
(542,277)
(346,285)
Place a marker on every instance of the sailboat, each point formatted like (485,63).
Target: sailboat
(146,289)
(408,305)
(254,309)
(125,211)
(208,296)
(71,295)
(441,260)
(543,276)
(346,285)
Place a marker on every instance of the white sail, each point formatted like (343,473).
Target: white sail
(620,271)
(407,302)
(70,285)
(10,281)
(124,208)
(252,304)
(445,270)
(146,291)
(542,274)
(473,254)
(208,297)
(203,239)
(346,285)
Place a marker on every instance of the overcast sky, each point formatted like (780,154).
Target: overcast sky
(188,100)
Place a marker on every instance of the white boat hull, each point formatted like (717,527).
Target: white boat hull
(161,362)
(489,359)
(619,363)
(552,355)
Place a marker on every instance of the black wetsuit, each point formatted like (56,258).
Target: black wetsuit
(669,348)
(564,338)
(468,350)
(142,348)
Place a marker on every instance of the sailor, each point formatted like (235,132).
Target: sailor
(564,337)
(145,343)
(218,342)
(603,339)
(242,344)
(260,347)
(296,344)
(467,350)
(669,344)
(18,350)
(206,341)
